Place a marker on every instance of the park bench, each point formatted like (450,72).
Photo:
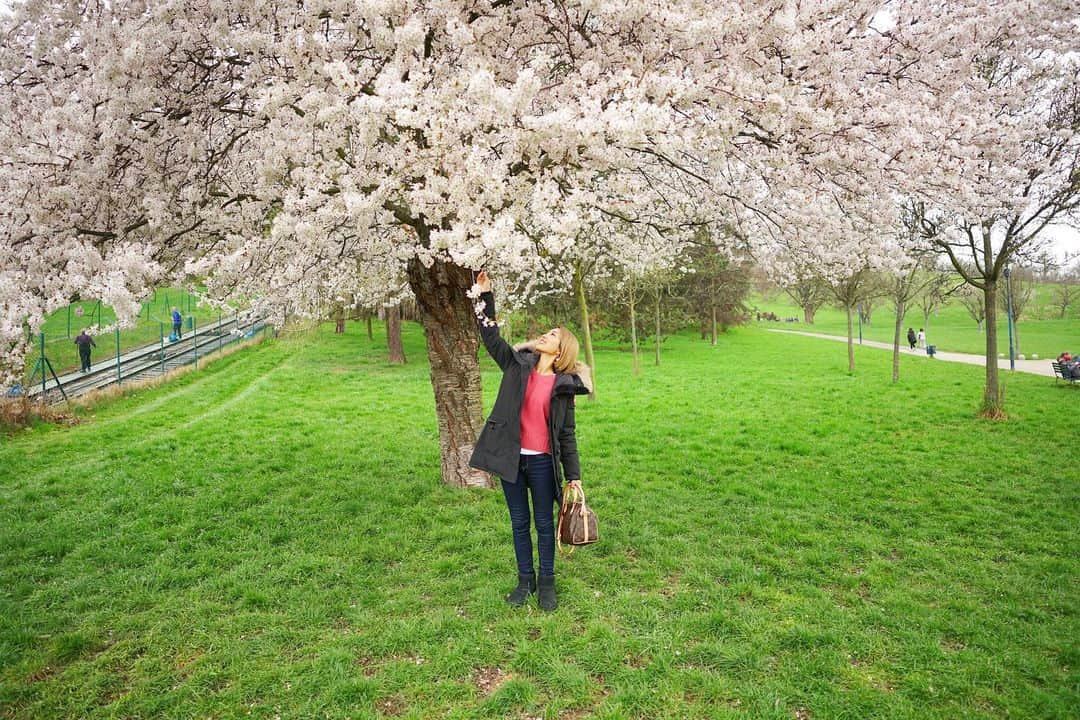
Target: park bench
(1060,373)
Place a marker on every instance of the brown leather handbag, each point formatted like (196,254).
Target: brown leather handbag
(577,523)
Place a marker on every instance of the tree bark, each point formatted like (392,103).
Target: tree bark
(850,342)
(452,342)
(633,332)
(714,324)
(339,319)
(896,341)
(583,308)
(808,315)
(393,334)
(657,327)
(992,405)
(532,329)
(370,334)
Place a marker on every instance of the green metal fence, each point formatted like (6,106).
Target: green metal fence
(148,348)
(61,328)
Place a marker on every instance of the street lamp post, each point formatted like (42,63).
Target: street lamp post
(1009,317)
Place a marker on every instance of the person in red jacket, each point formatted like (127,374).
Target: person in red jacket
(529,439)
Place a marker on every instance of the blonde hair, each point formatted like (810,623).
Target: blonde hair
(567,358)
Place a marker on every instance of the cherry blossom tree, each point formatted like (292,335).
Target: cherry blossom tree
(807,291)
(995,135)
(1066,287)
(291,153)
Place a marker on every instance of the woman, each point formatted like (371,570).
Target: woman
(529,433)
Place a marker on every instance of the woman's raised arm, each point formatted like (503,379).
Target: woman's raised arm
(499,349)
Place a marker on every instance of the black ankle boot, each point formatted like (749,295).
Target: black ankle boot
(546,596)
(526,586)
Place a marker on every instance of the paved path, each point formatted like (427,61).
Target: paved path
(1035,367)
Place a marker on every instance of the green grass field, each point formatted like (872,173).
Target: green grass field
(63,325)
(951,328)
(269,538)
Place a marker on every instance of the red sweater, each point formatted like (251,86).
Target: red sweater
(535,411)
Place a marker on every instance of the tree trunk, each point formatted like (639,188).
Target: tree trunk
(633,333)
(370,334)
(452,342)
(850,342)
(531,327)
(714,325)
(657,327)
(896,341)
(808,315)
(393,334)
(992,405)
(583,308)
(339,319)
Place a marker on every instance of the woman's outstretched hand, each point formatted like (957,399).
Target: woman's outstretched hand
(483,281)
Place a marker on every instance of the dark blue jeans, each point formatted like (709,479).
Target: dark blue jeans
(536,473)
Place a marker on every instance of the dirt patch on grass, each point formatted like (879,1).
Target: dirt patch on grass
(41,674)
(185,663)
(671,585)
(367,665)
(489,679)
(951,645)
(392,706)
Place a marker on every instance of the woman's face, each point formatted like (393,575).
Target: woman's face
(548,342)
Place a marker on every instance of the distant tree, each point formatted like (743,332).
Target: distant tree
(877,287)
(974,301)
(1020,293)
(1021,290)
(935,287)
(714,289)
(909,281)
(393,333)
(848,290)
(1064,280)
(809,292)
(338,312)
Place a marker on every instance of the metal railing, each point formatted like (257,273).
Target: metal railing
(148,361)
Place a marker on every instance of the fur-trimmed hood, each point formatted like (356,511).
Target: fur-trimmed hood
(581,371)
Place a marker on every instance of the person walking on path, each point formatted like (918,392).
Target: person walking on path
(177,323)
(530,432)
(921,338)
(85,342)
(911,338)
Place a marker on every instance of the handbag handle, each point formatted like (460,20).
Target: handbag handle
(562,518)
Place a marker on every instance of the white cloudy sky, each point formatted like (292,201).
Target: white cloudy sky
(1061,239)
